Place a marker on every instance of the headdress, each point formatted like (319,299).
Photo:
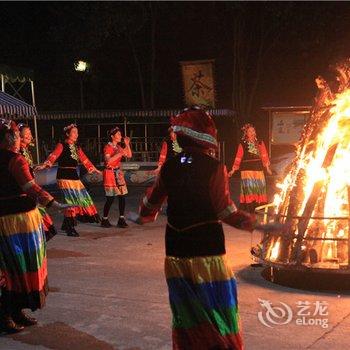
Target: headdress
(22,126)
(196,124)
(113,131)
(7,126)
(245,128)
(70,126)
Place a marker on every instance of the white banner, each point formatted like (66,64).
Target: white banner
(287,127)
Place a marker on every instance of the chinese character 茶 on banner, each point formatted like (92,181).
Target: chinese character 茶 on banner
(198,81)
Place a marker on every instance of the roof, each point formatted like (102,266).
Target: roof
(286,108)
(109,114)
(15,108)
(16,74)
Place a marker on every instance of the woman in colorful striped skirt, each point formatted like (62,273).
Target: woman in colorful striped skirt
(23,262)
(26,141)
(68,154)
(202,287)
(251,158)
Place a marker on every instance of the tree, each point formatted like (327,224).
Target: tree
(99,24)
(255,31)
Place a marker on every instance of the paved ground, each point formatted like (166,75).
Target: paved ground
(107,291)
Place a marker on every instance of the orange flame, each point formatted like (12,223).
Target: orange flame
(337,176)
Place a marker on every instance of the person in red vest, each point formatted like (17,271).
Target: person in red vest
(113,176)
(202,287)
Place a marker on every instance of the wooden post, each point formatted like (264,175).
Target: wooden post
(35,124)
(125,131)
(2,83)
(99,142)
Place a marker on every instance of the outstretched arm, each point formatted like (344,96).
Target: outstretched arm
(152,201)
(19,168)
(86,162)
(51,159)
(265,157)
(224,206)
(162,157)
(237,161)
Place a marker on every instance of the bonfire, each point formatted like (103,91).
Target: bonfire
(314,197)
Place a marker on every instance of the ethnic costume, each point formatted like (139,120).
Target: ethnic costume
(113,177)
(23,260)
(201,284)
(250,159)
(67,155)
(49,228)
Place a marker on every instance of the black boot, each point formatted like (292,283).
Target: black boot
(8,325)
(65,224)
(71,232)
(105,223)
(21,318)
(68,227)
(122,223)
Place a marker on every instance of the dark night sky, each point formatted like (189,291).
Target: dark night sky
(48,36)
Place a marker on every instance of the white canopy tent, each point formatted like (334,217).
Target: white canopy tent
(13,108)
(17,108)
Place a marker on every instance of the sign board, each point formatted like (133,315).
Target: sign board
(198,82)
(287,127)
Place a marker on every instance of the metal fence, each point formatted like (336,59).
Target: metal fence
(143,149)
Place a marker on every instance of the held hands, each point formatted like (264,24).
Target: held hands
(60,206)
(40,167)
(96,171)
(268,170)
(244,220)
(140,220)
(231,173)
(157,170)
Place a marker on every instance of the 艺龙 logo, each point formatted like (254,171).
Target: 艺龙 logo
(274,315)
(307,314)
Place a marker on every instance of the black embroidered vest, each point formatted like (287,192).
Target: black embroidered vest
(13,199)
(251,157)
(187,180)
(68,162)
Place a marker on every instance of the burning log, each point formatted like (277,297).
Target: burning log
(310,205)
(348,188)
(320,114)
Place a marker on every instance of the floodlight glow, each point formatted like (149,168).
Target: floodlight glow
(81,66)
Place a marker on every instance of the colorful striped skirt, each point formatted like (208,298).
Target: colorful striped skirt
(75,193)
(203,300)
(23,261)
(49,228)
(253,187)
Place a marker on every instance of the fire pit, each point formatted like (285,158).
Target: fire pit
(314,199)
